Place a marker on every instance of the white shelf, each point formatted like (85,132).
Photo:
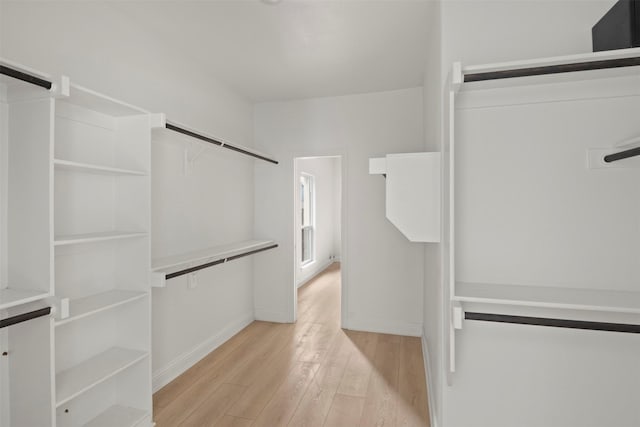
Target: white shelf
(93,304)
(550,62)
(549,297)
(67,165)
(165,266)
(95,237)
(118,415)
(99,102)
(215,253)
(10,297)
(75,381)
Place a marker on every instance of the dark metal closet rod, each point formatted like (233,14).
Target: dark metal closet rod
(552,69)
(21,75)
(23,317)
(216,262)
(556,323)
(216,142)
(622,155)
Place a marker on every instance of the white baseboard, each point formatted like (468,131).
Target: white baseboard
(433,415)
(386,327)
(319,270)
(271,316)
(180,364)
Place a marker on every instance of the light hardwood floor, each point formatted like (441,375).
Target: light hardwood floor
(311,373)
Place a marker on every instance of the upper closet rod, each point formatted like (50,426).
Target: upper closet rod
(21,75)
(192,134)
(632,152)
(552,69)
(558,323)
(23,317)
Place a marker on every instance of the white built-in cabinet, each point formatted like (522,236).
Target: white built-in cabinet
(412,193)
(75,230)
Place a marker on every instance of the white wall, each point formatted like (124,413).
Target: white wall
(510,374)
(433,295)
(337,211)
(383,272)
(327,211)
(102,48)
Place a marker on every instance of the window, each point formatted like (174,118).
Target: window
(307,207)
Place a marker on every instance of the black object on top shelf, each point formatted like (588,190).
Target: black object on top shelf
(552,69)
(21,75)
(23,317)
(619,28)
(210,140)
(632,152)
(216,262)
(557,323)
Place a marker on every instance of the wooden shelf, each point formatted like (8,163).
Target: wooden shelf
(118,415)
(67,165)
(88,374)
(93,304)
(10,297)
(550,297)
(95,237)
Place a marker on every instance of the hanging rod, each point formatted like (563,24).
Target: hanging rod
(210,140)
(23,317)
(552,69)
(632,152)
(216,262)
(557,323)
(21,75)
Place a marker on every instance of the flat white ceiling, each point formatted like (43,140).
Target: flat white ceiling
(295,49)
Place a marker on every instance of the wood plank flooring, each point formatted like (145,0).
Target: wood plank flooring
(311,373)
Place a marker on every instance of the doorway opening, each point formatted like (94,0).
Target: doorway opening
(318,243)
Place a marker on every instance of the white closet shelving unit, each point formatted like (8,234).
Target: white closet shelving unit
(26,255)
(102,253)
(190,263)
(485,214)
(75,234)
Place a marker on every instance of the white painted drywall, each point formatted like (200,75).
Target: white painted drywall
(101,47)
(433,296)
(518,375)
(383,271)
(327,211)
(337,211)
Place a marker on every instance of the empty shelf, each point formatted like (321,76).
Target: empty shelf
(621,62)
(67,165)
(209,254)
(93,304)
(550,297)
(10,297)
(95,237)
(118,415)
(75,381)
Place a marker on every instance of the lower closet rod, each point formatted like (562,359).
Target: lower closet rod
(216,262)
(557,323)
(23,317)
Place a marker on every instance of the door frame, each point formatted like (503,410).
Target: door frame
(293,295)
